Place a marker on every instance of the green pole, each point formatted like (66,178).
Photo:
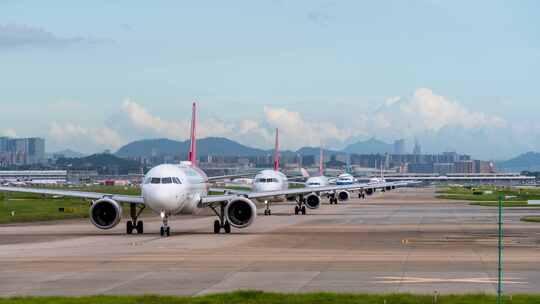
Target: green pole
(500,247)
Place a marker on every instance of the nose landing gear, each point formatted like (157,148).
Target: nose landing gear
(165,230)
(267,210)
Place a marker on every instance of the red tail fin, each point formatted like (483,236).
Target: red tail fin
(276,152)
(192,156)
(321,162)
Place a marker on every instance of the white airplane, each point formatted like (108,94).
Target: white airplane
(174,189)
(273,180)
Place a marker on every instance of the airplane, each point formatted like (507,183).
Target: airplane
(175,189)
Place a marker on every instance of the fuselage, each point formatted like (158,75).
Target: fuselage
(345,179)
(174,188)
(270,180)
(317,181)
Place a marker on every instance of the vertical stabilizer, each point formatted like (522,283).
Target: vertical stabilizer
(192,155)
(276,152)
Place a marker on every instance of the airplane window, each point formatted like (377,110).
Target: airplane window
(155,180)
(261,180)
(166,180)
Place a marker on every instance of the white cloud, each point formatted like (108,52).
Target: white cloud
(426,111)
(297,132)
(245,131)
(66,133)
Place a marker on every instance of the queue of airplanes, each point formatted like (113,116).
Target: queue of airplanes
(175,189)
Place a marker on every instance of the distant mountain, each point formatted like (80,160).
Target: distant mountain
(224,146)
(68,153)
(525,162)
(370,146)
(104,163)
(316,151)
(205,146)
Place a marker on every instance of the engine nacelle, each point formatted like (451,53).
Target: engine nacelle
(241,212)
(105,213)
(369,191)
(313,201)
(388,188)
(343,195)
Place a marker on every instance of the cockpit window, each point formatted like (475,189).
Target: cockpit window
(267,180)
(314,184)
(155,180)
(166,180)
(176,180)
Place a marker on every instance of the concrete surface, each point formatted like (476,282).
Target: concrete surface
(400,241)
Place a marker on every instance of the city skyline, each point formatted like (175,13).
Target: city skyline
(457,76)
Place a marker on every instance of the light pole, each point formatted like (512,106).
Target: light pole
(500,248)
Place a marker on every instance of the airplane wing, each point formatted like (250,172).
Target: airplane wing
(229,191)
(223,177)
(213,199)
(134,199)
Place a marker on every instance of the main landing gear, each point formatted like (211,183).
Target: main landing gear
(361,195)
(333,199)
(267,210)
(300,207)
(221,222)
(165,230)
(134,224)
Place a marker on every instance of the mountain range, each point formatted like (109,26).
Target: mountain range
(226,147)
(529,161)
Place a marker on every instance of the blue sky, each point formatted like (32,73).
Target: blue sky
(93,70)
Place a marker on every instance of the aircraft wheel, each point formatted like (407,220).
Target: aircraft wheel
(217,226)
(140,227)
(129,227)
(227,227)
(269,212)
(168,231)
(296,210)
(303,210)
(162,231)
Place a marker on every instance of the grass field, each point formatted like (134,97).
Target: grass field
(533,219)
(488,196)
(24,207)
(254,297)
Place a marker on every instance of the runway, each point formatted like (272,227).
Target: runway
(400,241)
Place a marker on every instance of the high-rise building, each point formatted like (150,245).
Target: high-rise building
(417,148)
(399,147)
(21,151)
(464,167)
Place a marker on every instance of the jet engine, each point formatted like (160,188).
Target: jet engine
(369,191)
(105,213)
(313,201)
(343,195)
(241,212)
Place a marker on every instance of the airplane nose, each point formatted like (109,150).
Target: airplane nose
(158,198)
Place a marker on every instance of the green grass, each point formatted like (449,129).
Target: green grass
(34,207)
(533,219)
(255,297)
(512,197)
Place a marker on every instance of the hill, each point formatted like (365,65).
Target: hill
(525,162)
(227,147)
(103,163)
(370,146)
(205,146)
